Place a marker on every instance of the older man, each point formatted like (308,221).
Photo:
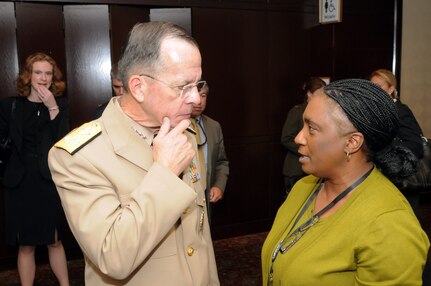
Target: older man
(135,202)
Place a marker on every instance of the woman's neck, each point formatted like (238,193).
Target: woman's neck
(334,186)
(33,97)
(340,182)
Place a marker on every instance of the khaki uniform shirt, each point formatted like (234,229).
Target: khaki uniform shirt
(136,222)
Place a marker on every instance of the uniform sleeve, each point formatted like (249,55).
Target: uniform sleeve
(117,236)
(393,251)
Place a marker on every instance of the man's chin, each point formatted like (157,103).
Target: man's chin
(177,120)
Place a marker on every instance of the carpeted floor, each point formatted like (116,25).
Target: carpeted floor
(238,263)
(238,260)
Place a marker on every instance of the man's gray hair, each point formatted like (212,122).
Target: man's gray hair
(143,47)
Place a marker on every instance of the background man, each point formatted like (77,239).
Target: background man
(211,144)
(117,88)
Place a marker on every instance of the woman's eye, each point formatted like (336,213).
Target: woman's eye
(311,128)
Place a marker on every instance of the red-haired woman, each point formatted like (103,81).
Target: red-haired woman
(34,119)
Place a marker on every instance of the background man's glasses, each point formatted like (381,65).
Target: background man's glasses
(185,90)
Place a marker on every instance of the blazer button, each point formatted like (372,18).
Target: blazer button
(186,211)
(190,251)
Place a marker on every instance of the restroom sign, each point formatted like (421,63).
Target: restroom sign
(330,11)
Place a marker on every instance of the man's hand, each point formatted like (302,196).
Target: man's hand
(171,147)
(216,194)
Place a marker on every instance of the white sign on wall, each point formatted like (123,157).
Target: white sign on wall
(330,11)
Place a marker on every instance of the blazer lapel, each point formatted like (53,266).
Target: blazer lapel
(210,145)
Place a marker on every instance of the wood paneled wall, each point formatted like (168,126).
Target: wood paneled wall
(256,55)
(88,55)
(39,28)
(8,52)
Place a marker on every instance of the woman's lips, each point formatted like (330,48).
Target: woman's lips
(303,158)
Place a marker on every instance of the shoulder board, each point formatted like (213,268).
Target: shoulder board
(79,137)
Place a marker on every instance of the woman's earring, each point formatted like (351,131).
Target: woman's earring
(348,156)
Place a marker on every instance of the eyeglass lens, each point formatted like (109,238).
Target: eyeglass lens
(189,88)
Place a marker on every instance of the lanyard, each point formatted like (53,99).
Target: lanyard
(302,229)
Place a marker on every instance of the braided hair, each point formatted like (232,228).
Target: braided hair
(373,113)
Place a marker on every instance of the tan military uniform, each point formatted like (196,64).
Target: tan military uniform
(136,222)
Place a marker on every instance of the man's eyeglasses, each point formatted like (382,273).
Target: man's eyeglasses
(185,90)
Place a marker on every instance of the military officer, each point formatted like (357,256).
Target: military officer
(135,201)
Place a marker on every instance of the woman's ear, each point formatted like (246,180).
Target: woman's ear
(391,91)
(354,142)
(137,87)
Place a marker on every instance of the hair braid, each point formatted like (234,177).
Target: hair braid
(373,113)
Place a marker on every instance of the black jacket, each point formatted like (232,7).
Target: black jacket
(49,132)
(410,131)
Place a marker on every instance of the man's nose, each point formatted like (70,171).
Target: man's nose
(193,97)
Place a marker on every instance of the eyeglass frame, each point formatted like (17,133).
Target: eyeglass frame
(179,87)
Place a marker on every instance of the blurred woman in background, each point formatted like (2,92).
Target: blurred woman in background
(409,133)
(34,120)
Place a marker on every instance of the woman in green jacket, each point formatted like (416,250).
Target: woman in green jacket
(347,223)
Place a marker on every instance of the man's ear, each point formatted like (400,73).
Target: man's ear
(354,142)
(137,87)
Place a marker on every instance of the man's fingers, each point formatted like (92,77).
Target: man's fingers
(166,125)
(181,127)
